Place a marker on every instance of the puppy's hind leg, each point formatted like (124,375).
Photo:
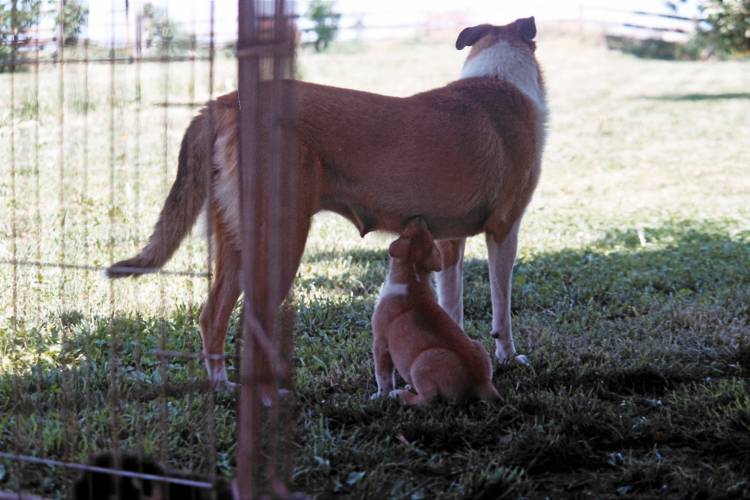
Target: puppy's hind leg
(426,373)
(411,399)
(487,391)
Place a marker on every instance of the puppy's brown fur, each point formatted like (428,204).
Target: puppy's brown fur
(416,336)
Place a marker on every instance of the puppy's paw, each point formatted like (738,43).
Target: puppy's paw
(377,395)
(395,394)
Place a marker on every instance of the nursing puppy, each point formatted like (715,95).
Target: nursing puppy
(416,336)
(466,157)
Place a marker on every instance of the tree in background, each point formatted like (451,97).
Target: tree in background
(158,29)
(162,34)
(73,18)
(728,25)
(326,22)
(17,18)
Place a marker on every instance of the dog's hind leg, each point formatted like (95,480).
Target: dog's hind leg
(214,318)
(501,256)
(450,281)
(273,270)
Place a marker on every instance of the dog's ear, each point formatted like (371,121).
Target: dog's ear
(399,249)
(470,36)
(527,28)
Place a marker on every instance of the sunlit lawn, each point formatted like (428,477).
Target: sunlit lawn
(630,295)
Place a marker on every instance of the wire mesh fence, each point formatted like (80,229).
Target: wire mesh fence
(98,98)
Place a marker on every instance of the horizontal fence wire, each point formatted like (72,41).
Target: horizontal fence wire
(110,60)
(100,269)
(104,470)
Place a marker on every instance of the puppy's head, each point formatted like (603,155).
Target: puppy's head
(520,33)
(416,247)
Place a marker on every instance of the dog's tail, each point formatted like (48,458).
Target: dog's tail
(183,205)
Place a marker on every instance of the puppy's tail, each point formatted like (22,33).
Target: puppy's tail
(487,391)
(183,205)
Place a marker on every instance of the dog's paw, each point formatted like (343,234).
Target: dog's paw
(218,380)
(507,359)
(522,360)
(223,384)
(394,394)
(377,395)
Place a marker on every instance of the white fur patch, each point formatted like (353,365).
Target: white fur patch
(226,189)
(390,289)
(504,61)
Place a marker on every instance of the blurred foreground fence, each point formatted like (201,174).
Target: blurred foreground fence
(672,26)
(88,141)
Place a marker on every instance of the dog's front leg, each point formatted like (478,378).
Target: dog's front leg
(501,256)
(385,374)
(450,281)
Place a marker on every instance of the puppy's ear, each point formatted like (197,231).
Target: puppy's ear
(470,36)
(399,249)
(527,28)
(435,260)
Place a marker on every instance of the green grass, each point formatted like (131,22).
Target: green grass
(630,294)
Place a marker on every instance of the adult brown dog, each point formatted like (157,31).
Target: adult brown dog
(465,157)
(413,335)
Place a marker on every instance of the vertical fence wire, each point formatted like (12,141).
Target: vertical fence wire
(14,229)
(191,400)
(136,233)
(66,396)
(277,217)
(264,50)
(191,102)
(210,401)
(163,375)
(114,386)
(248,449)
(88,371)
(37,201)
(61,144)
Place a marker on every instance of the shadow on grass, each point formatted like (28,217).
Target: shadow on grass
(635,413)
(630,411)
(75,383)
